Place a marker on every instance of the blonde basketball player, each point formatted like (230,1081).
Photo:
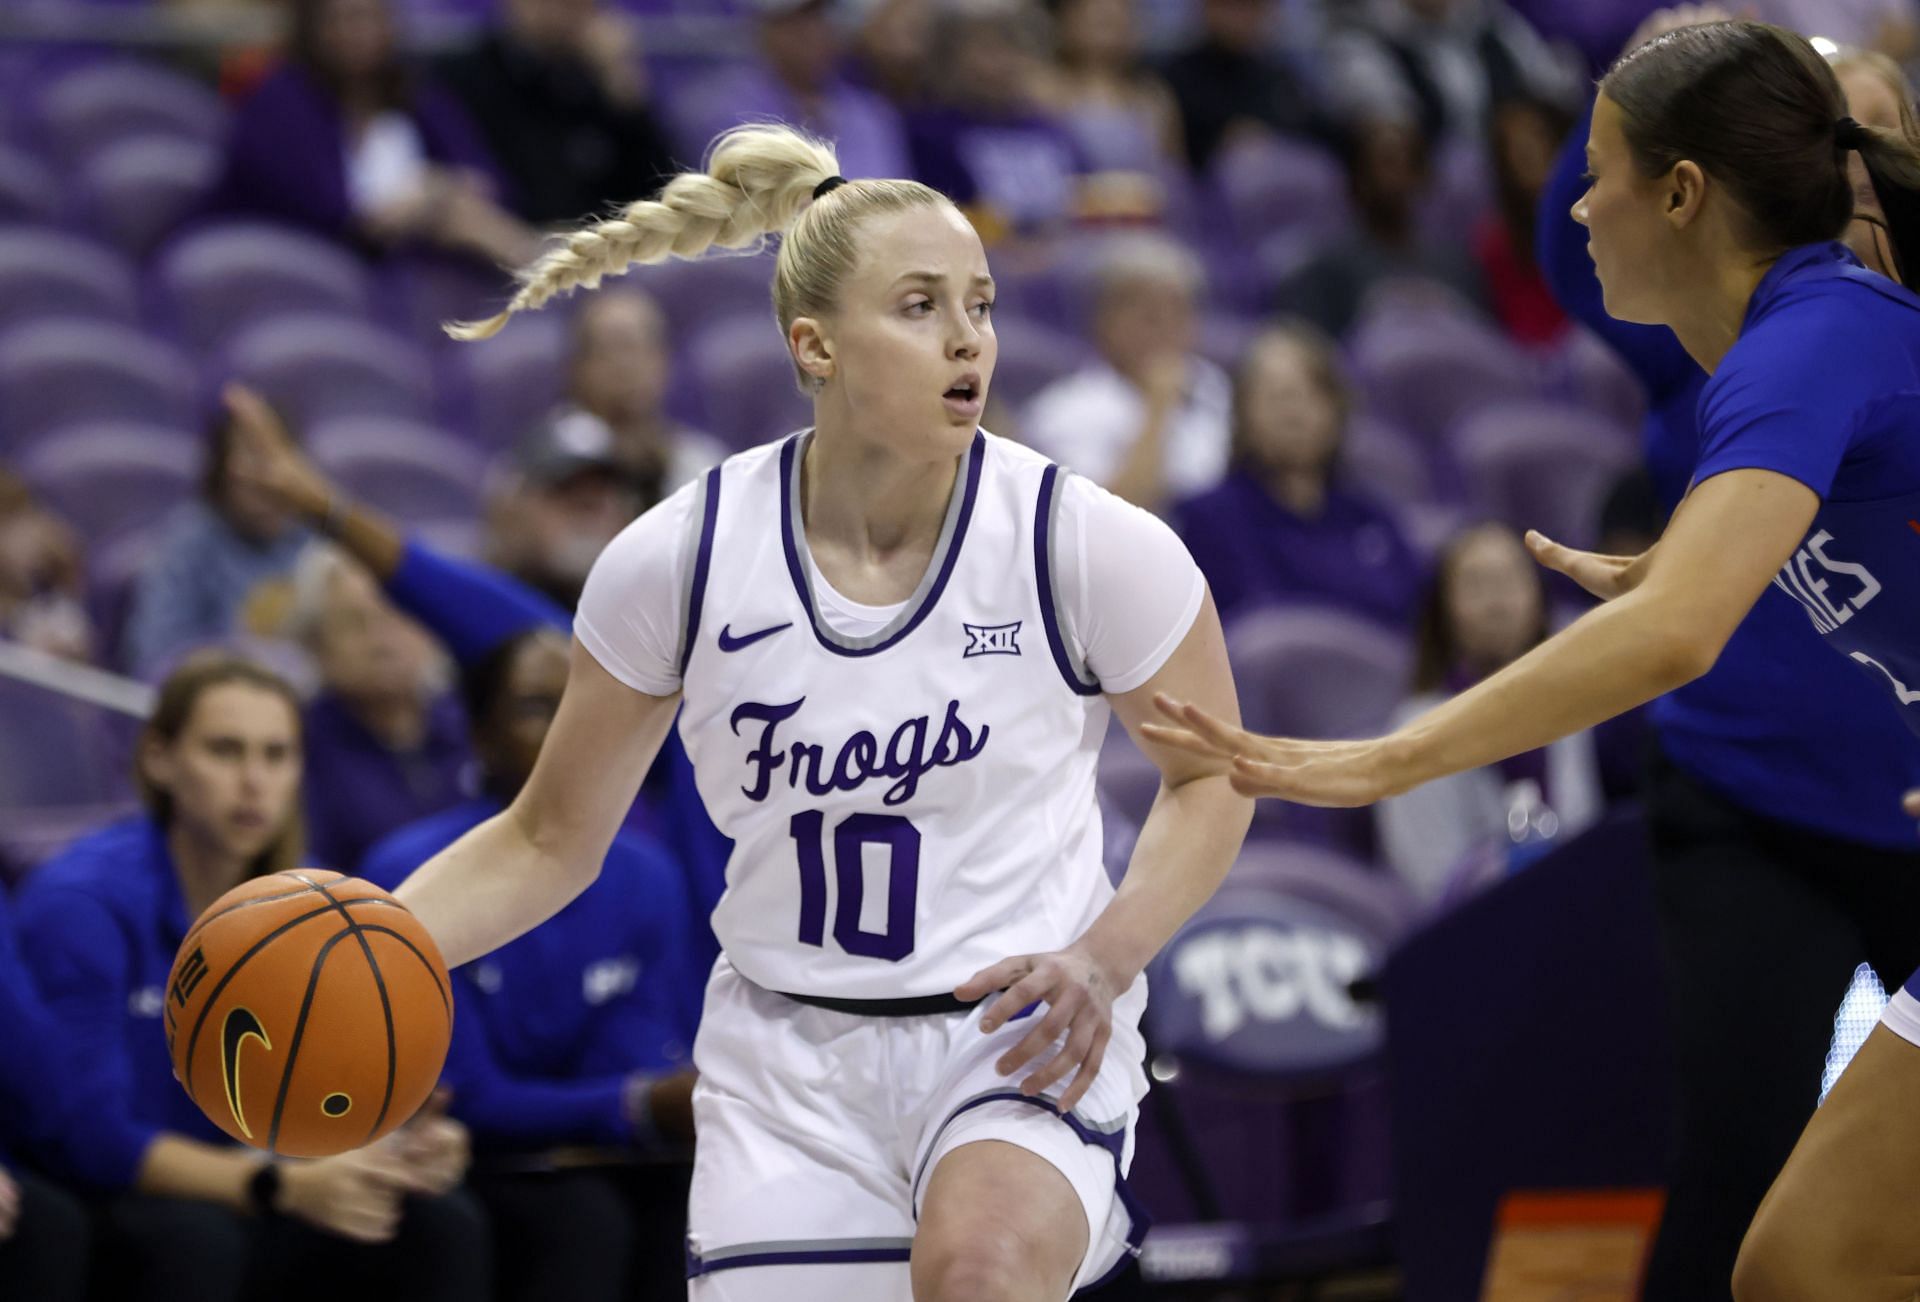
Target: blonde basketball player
(894,641)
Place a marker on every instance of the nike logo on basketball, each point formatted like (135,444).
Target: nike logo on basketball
(728,642)
(240,1024)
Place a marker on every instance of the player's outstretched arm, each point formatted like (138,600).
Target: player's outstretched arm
(1191,837)
(522,866)
(1723,546)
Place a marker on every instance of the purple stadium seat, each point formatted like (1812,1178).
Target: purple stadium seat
(53,752)
(47,273)
(514,378)
(94,106)
(1426,372)
(1127,779)
(1032,356)
(411,471)
(1271,184)
(746,376)
(1544,466)
(218,279)
(114,476)
(1385,462)
(316,367)
(136,191)
(1592,375)
(1460,195)
(1224,337)
(1312,671)
(431,290)
(64,372)
(28,191)
(696,295)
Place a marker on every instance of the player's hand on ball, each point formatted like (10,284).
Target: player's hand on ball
(1337,774)
(1078,993)
(9,1205)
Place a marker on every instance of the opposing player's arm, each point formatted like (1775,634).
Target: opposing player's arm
(1724,545)
(522,866)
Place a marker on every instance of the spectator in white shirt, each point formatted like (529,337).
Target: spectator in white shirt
(1150,421)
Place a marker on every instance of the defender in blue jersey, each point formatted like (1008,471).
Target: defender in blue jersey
(1761,822)
(1718,160)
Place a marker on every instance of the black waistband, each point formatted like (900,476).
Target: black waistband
(917,1006)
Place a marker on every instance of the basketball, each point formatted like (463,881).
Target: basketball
(308,1013)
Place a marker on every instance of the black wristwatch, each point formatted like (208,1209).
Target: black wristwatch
(263,1189)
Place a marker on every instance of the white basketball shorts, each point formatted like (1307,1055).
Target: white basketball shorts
(817,1131)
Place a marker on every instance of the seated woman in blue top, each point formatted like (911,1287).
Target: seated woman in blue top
(1773,802)
(187,1213)
(1719,161)
(43,1228)
(575,1035)
(1281,527)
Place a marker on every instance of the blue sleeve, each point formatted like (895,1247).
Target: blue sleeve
(1652,353)
(472,608)
(78,958)
(505,1110)
(651,1027)
(1783,399)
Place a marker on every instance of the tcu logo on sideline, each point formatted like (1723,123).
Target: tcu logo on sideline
(1271,974)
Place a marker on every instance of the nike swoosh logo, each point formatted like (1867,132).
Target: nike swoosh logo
(240,1024)
(728,642)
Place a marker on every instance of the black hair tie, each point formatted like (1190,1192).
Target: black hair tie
(833,183)
(1849,134)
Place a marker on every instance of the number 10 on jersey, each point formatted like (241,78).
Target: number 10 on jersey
(850,838)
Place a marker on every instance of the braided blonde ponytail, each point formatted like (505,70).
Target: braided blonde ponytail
(757,181)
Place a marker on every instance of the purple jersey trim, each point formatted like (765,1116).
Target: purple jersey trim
(976,455)
(702,562)
(1043,570)
(697,1267)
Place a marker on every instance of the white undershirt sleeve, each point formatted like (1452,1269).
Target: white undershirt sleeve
(633,608)
(1129,590)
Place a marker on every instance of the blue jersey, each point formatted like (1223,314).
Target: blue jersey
(98,926)
(1779,725)
(1823,386)
(548,1027)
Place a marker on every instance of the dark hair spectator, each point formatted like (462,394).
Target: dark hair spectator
(219,554)
(42,577)
(1120,112)
(893,50)
(990,142)
(618,372)
(1231,84)
(1526,137)
(386,741)
(1149,420)
(348,140)
(220,763)
(1281,527)
(1485,607)
(573,1035)
(1442,65)
(797,79)
(1389,167)
(557,88)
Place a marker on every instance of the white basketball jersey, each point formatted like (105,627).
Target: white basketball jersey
(908,807)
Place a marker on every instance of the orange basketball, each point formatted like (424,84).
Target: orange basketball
(308,1013)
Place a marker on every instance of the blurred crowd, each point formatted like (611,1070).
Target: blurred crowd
(1267,268)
